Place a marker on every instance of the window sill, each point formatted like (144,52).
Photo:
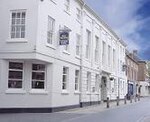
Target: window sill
(54,1)
(50,46)
(17,40)
(78,57)
(96,93)
(38,91)
(64,92)
(15,91)
(96,63)
(79,21)
(87,59)
(66,52)
(88,93)
(68,12)
(77,92)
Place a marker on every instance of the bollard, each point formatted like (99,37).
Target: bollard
(131,99)
(135,98)
(117,101)
(107,103)
(138,97)
(125,100)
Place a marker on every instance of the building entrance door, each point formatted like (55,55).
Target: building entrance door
(104,88)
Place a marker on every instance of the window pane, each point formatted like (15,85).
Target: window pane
(12,35)
(18,15)
(13,15)
(38,84)
(17,35)
(18,21)
(39,67)
(22,34)
(23,21)
(23,14)
(15,74)
(38,75)
(64,78)
(14,65)
(14,84)
(12,29)
(64,86)
(64,70)
(13,21)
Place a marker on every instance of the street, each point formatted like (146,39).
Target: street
(132,112)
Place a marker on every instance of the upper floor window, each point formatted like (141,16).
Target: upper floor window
(114,57)
(15,75)
(18,24)
(38,76)
(96,49)
(50,31)
(88,44)
(103,52)
(67,5)
(78,40)
(109,55)
(78,14)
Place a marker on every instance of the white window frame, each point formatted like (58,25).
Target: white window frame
(38,71)
(78,41)
(16,24)
(51,31)
(17,70)
(77,80)
(67,5)
(79,14)
(96,49)
(88,43)
(66,74)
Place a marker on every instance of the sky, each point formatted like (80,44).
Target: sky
(130,19)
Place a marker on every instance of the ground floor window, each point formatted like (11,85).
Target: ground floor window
(38,76)
(15,75)
(65,78)
(88,82)
(77,80)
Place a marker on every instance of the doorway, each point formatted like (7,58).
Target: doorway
(103,89)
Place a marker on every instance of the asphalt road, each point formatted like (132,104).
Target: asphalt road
(135,112)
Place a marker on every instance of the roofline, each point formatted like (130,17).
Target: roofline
(103,23)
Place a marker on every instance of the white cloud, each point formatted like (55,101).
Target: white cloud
(122,16)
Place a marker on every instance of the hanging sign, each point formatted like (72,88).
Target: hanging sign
(63,37)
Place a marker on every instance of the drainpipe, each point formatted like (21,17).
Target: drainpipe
(81,55)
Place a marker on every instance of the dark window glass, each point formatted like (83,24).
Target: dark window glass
(39,67)
(15,74)
(38,75)
(14,65)
(38,84)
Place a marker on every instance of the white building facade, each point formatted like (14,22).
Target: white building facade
(38,73)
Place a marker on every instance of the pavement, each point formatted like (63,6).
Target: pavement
(98,108)
(130,112)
